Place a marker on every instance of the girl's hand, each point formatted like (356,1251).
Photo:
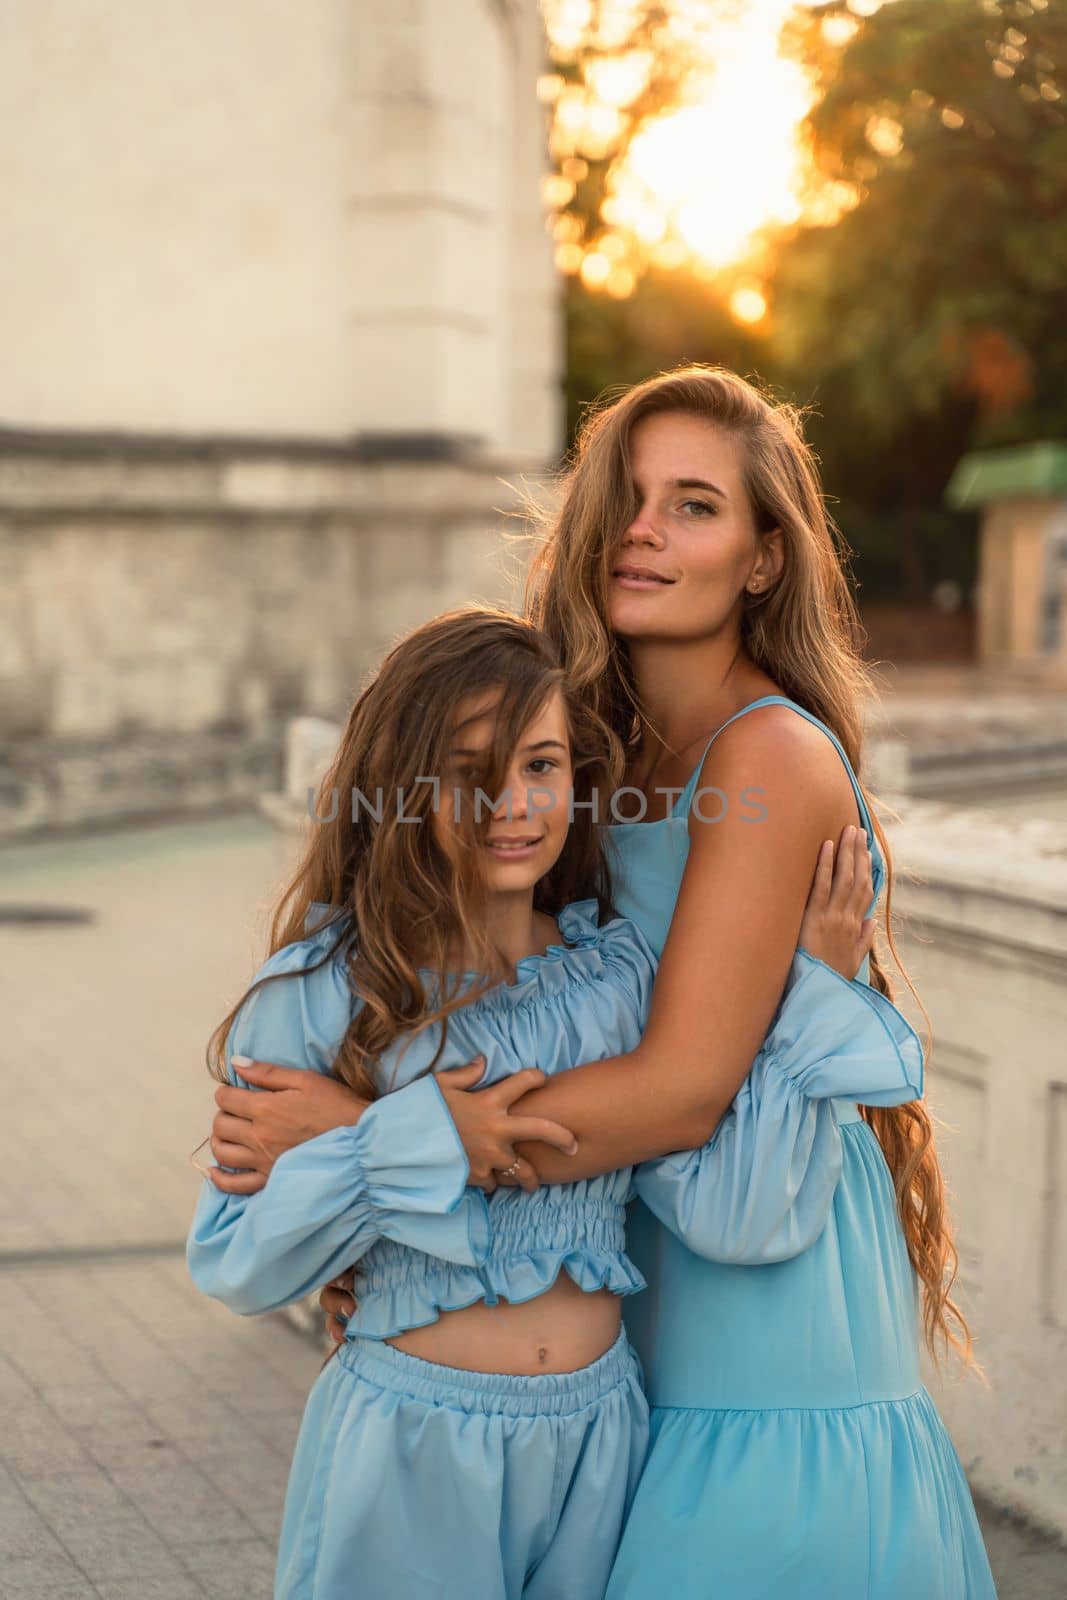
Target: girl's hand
(338,1300)
(834,927)
(488,1131)
(252,1128)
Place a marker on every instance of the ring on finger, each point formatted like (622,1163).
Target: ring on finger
(509,1172)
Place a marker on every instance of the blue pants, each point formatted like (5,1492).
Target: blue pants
(413,1481)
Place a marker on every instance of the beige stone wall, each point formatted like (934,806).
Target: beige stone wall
(983,907)
(161,618)
(265,271)
(268,219)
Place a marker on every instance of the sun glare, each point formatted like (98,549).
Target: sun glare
(718,169)
(700,182)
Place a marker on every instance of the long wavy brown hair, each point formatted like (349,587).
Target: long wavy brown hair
(401,905)
(803,632)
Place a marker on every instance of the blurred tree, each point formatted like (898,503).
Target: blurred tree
(669,319)
(947,280)
(932,314)
(615,67)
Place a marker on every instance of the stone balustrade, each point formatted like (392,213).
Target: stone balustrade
(980,912)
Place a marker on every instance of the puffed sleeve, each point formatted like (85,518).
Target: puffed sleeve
(761,1189)
(399,1173)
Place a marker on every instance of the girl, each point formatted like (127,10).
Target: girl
(483,1426)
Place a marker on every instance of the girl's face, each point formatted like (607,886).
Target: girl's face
(523,845)
(682,566)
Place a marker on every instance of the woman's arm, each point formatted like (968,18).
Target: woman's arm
(728,955)
(253,1129)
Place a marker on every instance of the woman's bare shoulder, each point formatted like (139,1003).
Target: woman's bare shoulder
(776,731)
(786,757)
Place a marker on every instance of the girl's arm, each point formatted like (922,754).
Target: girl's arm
(728,956)
(399,1172)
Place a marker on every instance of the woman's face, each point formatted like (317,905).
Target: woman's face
(694,532)
(523,846)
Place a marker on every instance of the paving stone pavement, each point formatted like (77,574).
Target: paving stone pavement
(146,1436)
(145,1431)
(112,1015)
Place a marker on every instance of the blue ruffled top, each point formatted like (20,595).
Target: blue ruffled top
(390,1193)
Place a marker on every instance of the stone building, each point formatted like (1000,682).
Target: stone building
(281,341)
(1022,589)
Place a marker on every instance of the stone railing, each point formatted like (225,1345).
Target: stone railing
(980,913)
(966,743)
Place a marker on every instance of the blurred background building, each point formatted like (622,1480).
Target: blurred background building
(279,313)
(297,305)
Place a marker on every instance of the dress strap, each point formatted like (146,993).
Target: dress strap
(686,798)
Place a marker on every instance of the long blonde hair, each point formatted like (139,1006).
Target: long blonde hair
(399,902)
(803,632)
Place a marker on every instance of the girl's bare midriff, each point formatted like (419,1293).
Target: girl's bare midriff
(560,1331)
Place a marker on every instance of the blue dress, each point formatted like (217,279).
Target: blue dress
(795,1453)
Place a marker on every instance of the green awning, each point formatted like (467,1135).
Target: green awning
(1023,472)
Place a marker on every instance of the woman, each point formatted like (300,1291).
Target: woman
(694,591)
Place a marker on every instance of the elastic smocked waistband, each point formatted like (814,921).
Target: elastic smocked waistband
(503,1393)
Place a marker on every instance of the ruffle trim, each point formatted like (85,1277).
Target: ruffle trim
(839,1038)
(590,951)
(389,1309)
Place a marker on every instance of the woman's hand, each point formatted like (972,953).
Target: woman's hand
(488,1131)
(338,1300)
(252,1129)
(834,927)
